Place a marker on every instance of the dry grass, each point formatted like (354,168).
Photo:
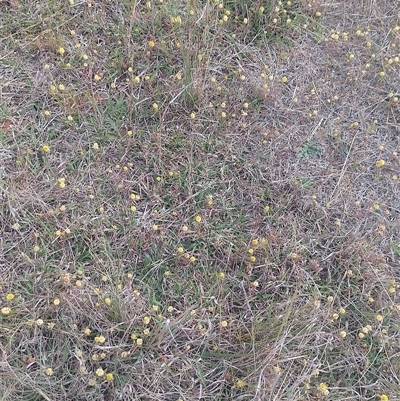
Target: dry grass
(200,207)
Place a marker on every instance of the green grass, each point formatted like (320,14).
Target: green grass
(179,222)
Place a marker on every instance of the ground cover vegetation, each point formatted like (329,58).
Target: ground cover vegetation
(199,200)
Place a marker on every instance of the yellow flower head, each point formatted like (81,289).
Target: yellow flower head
(323,388)
(48,372)
(46,148)
(99,339)
(380,163)
(5,311)
(10,297)
(240,383)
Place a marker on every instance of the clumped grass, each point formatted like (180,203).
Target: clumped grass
(199,200)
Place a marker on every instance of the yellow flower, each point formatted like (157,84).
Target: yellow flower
(379,318)
(99,339)
(277,369)
(151,43)
(10,297)
(383,397)
(100,372)
(109,376)
(95,146)
(61,50)
(380,163)
(240,383)
(36,248)
(323,388)
(139,341)
(198,218)
(224,323)
(49,372)
(6,310)
(284,79)
(155,106)
(56,302)
(133,208)
(342,334)
(155,227)
(46,148)
(192,115)
(146,320)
